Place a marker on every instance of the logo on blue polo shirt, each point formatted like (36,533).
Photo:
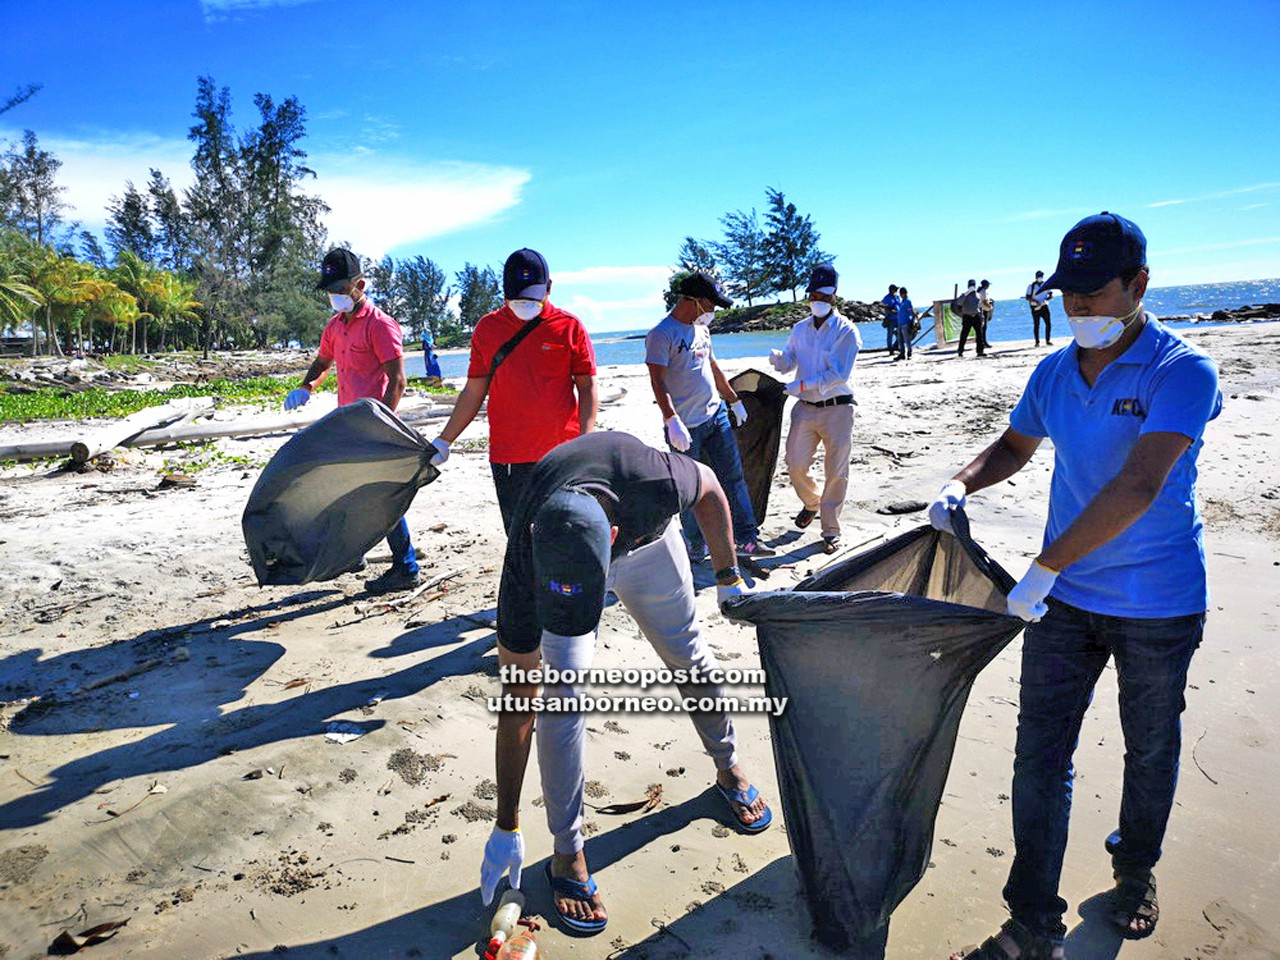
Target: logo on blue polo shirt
(1127,407)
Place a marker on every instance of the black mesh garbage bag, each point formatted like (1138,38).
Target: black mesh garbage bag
(759,438)
(333,491)
(876,655)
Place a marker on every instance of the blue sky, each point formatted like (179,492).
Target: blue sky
(930,142)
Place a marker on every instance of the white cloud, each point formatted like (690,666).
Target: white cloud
(379,203)
(1042,214)
(1219,195)
(1207,247)
(648,277)
(95,167)
(219,10)
(609,298)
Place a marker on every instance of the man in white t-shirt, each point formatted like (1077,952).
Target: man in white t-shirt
(1038,297)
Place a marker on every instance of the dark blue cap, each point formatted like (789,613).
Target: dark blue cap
(340,265)
(703,286)
(525,276)
(1095,251)
(571,538)
(823,275)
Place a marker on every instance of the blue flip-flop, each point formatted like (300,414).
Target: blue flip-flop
(575,890)
(746,799)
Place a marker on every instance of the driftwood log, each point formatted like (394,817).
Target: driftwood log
(173,423)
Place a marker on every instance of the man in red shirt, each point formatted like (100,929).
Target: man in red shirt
(545,390)
(366,345)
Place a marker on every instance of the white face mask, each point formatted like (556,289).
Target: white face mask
(704,319)
(525,310)
(341,302)
(1098,333)
(819,308)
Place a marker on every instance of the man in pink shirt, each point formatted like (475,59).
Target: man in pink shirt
(365,343)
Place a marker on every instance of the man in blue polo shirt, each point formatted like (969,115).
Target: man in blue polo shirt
(1121,573)
(890,303)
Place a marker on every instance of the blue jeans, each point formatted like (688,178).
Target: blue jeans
(402,555)
(891,337)
(713,444)
(1062,657)
(904,339)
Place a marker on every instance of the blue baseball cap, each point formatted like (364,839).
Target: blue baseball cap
(1095,251)
(340,266)
(701,285)
(823,279)
(570,537)
(525,276)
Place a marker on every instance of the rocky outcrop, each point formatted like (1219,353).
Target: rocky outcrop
(783,316)
(1264,311)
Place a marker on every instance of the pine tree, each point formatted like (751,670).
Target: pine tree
(425,294)
(743,257)
(696,255)
(30,196)
(478,294)
(129,224)
(791,245)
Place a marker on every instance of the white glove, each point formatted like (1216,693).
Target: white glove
(794,388)
(739,413)
(503,852)
(1026,600)
(950,497)
(442,451)
(726,592)
(776,360)
(678,434)
(297,398)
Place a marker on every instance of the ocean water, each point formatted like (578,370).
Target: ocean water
(1011,321)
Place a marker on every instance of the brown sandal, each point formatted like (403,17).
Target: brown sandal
(1134,898)
(1014,942)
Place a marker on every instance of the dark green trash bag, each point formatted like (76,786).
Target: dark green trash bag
(759,438)
(333,491)
(876,655)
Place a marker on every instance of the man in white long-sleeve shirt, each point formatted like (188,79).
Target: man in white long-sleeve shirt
(821,351)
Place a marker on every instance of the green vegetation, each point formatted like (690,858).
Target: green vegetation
(212,457)
(54,403)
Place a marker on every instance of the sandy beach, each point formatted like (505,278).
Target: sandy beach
(163,750)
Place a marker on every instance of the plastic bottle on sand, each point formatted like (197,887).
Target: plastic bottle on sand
(504,922)
(523,947)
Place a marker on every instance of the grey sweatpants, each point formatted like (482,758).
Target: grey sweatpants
(655,586)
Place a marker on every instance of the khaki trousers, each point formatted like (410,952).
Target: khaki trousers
(833,428)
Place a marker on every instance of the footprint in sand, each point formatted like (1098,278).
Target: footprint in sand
(1239,937)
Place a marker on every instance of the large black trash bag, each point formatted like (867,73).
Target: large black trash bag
(759,438)
(876,655)
(333,491)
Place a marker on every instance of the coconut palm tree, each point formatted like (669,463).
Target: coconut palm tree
(18,299)
(173,300)
(141,280)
